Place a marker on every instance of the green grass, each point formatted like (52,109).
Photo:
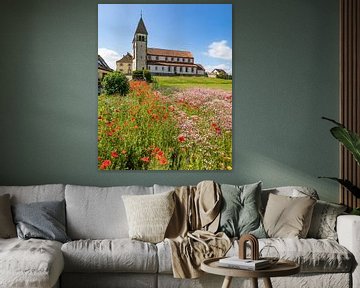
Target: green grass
(193,81)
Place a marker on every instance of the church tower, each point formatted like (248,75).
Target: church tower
(140,46)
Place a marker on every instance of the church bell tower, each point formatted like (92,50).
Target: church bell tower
(140,46)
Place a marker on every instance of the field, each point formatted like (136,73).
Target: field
(186,82)
(178,123)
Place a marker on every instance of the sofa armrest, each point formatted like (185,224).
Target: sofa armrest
(348,230)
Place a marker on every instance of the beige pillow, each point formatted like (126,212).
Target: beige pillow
(7,226)
(288,217)
(149,215)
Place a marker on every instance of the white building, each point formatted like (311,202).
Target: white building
(161,61)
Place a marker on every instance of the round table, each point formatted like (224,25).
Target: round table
(281,268)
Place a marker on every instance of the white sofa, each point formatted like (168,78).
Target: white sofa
(101,254)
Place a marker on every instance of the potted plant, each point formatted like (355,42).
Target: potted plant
(351,141)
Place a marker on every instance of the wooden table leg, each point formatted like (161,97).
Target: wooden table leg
(267,283)
(227,282)
(254,282)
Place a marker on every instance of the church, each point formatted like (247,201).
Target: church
(161,61)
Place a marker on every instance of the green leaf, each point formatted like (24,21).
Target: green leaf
(347,184)
(349,139)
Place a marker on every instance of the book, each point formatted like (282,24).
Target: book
(236,262)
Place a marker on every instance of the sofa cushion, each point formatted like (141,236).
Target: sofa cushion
(291,191)
(43,220)
(30,263)
(149,215)
(313,255)
(98,213)
(323,222)
(287,216)
(240,210)
(7,226)
(117,255)
(36,193)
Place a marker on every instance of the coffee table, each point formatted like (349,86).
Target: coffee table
(281,268)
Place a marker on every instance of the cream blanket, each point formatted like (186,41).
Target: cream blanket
(191,231)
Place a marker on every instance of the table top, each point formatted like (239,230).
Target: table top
(281,268)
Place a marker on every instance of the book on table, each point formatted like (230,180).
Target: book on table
(249,264)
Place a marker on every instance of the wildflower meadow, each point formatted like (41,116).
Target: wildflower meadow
(151,128)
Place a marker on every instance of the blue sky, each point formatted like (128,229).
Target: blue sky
(203,29)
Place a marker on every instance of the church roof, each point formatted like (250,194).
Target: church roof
(169,53)
(141,27)
(125,59)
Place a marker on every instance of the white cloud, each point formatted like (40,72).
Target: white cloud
(110,56)
(225,67)
(219,50)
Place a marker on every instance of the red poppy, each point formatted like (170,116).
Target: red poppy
(105,164)
(181,138)
(114,154)
(145,159)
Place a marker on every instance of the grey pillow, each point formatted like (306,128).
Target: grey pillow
(44,220)
(323,222)
(240,213)
(7,227)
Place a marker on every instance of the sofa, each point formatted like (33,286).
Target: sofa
(100,253)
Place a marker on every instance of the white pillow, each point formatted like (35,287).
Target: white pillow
(149,215)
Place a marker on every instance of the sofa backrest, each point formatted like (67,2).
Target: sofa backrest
(35,193)
(98,212)
(293,191)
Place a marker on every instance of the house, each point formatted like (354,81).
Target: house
(103,69)
(217,72)
(161,61)
(124,65)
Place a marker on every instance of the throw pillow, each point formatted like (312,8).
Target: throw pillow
(7,227)
(323,222)
(149,215)
(288,217)
(44,220)
(240,213)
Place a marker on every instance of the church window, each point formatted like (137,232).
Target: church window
(157,57)
(155,67)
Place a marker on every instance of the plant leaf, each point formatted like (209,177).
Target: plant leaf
(348,138)
(347,184)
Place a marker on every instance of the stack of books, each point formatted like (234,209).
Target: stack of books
(248,264)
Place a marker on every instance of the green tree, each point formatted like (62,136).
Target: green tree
(115,83)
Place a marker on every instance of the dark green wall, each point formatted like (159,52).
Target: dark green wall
(285,72)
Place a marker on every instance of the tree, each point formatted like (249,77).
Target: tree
(115,83)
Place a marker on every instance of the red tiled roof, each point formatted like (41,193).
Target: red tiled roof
(169,53)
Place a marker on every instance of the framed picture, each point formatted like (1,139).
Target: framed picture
(165,86)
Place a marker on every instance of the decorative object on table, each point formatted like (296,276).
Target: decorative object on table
(247,264)
(254,246)
(269,253)
(351,142)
